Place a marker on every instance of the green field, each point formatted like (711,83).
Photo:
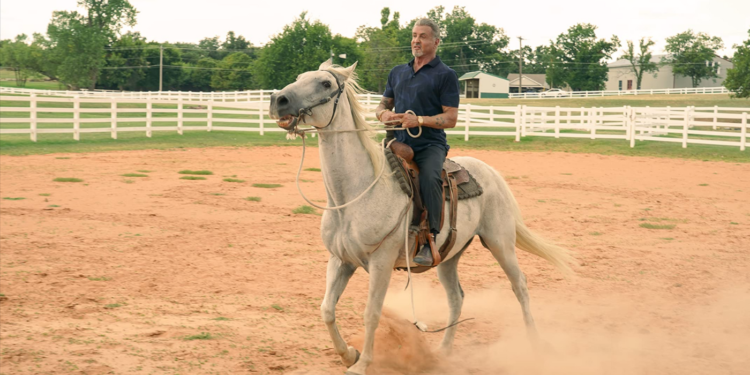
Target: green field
(40,85)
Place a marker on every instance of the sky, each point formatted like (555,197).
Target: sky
(537,22)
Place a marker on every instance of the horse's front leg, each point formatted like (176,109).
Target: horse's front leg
(337,276)
(380,268)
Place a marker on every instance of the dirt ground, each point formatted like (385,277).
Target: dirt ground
(163,275)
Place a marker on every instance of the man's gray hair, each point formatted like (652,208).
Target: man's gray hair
(434,26)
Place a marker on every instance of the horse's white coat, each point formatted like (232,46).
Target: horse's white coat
(351,234)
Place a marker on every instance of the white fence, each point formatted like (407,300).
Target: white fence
(36,115)
(591,94)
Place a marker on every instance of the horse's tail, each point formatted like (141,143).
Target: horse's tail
(531,242)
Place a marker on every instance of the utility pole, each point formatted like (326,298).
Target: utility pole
(161,64)
(520,64)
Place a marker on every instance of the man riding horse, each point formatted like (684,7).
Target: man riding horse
(430,89)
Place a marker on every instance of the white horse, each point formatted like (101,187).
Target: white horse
(362,234)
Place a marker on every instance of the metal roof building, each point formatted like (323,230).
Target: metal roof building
(484,85)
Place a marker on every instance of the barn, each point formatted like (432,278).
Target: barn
(484,85)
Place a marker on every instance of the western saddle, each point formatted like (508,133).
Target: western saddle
(401,159)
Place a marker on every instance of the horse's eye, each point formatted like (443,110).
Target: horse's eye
(327,84)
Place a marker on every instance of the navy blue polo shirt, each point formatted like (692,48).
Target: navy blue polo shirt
(425,92)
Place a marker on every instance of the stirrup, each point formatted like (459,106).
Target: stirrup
(424,256)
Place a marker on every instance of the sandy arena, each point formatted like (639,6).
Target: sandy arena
(165,275)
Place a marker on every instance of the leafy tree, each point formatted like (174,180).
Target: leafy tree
(200,77)
(381,50)
(77,41)
(738,78)
(235,73)
(126,63)
(238,44)
(692,55)
(579,58)
(17,56)
(535,61)
(640,62)
(211,46)
(173,74)
(467,45)
(301,47)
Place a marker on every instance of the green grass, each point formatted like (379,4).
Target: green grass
(595,234)
(62,157)
(44,194)
(233,180)
(192,178)
(53,205)
(702,184)
(253,199)
(221,318)
(44,85)
(201,336)
(656,226)
(14,199)
(112,306)
(134,175)
(268,186)
(202,173)
(277,307)
(67,179)
(144,171)
(129,181)
(100,278)
(666,238)
(313,169)
(305,210)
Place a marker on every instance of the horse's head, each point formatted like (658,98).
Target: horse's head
(311,99)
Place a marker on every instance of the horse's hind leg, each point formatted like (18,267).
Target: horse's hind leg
(502,245)
(337,276)
(448,274)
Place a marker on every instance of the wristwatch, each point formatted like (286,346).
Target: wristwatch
(420,120)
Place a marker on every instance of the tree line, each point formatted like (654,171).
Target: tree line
(88,50)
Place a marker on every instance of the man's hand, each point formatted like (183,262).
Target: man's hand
(390,118)
(408,120)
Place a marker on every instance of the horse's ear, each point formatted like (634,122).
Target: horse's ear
(325,64)
(348,71)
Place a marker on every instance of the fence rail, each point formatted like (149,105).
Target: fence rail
(35,114)
(590,94)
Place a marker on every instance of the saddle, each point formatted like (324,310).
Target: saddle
(458,184)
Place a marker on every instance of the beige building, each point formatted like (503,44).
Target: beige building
(622,78)
(484,85)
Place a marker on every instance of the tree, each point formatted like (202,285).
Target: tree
(211,47)
(77,41)
(738,78)
(692,55)
(381,50)
(301,47)
(126,63)
(641,62)
(17,56)
(173,74)
(535,61)
(200,75)
(235,73)
(579,58)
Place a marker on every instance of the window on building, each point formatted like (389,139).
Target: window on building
(620,86)
(630,84)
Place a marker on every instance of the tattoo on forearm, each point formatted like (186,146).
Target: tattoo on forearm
(439,121)
(387,103)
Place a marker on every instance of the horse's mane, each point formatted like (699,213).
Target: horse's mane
(353,89)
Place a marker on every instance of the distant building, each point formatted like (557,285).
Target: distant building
(484,85)
(622,78)
(530,82)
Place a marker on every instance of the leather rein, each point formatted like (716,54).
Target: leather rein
(307,111)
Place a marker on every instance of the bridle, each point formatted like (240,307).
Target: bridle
(307,111)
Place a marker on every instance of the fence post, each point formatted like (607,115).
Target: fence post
(149,107)
(716,115)
(467,113)
(557,121)
(261,117)
(592,121)
(76,118)
(32,117)
(743,132)
(685,127)
(631,120)
(517,121)
(179,116)
(113,124)
(209,116)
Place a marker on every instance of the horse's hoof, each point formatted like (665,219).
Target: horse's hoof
(356,357)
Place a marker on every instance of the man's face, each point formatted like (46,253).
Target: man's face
(423,42)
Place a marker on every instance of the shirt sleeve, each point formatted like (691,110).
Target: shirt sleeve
(449,91)
(388,86)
